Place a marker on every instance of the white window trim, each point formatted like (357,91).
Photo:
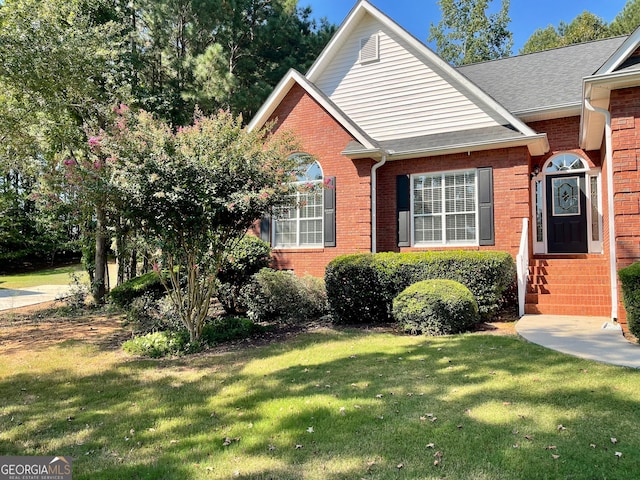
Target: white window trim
(298,219)
(444,242)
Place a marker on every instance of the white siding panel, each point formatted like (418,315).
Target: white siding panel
(398,96)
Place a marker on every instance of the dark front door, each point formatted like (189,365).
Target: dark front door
(566,214)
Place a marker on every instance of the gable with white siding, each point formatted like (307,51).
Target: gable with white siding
(399,95)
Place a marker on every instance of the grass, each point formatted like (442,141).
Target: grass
(325,405)
(51,276)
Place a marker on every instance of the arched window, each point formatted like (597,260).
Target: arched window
(300,224)
(565,162)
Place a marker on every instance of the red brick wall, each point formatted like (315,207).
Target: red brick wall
(510,189)
(320,135)
(564,136)
(625,124)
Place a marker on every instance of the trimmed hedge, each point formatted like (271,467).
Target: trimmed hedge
(630,278)
(361,287)
(436,307)
(124,294)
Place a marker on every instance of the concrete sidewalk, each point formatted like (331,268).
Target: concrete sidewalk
(10,298)
(593,338)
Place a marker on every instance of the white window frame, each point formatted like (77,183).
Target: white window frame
(444,242)
(316,187)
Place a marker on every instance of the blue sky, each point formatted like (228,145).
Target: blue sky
(526,15)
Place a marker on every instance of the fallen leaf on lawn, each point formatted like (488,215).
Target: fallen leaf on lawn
(618,454)
(431,445)
(459,427)
(429,415)
(357,407)
(515,432)
(310,429)
(438,455)
(592,445)
(343,411)
(400,465)
(434,419)
(506,403)
(561,427)
(551,447)
(379,395)
(298,447)
(614,440)
(423,418)
(516,445)
(529,437)
(555,457)
(381,417)
(436,463)
(272,448)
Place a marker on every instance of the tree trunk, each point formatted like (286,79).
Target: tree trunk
(100,277)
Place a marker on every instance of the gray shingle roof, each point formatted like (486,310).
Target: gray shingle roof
(446,140)
(543,79)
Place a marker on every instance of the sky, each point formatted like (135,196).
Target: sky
(526,15)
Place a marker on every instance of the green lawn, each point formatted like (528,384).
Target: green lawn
(51,276)
(325,405)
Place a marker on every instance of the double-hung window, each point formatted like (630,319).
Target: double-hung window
(445,208)
(300,223)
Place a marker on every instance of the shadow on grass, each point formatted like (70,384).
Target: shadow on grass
(491,407)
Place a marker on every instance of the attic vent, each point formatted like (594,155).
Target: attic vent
(369,49)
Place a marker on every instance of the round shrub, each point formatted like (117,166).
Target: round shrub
(630,278)
(248,257)
(436,307)
(276,295)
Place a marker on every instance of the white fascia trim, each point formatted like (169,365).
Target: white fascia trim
(549,112)
(621,54)
(281,91)
(428,55)
(538,145)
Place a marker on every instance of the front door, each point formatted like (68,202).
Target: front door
(566,214)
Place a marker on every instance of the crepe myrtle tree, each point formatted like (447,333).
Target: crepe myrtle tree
(196,191)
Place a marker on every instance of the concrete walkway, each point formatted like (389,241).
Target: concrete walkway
(23,297)
(593,338)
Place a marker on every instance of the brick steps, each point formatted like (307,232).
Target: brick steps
(577,285)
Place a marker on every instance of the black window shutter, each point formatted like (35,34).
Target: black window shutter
(403,205)
(265,229)
(330,212)
(485,206)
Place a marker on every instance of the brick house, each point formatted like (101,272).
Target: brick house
(536,155)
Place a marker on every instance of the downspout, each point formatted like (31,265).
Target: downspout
(374,201)
(611,211)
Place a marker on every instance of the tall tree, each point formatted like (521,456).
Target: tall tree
(627,20)
(62,60)
(197,190)
(584,28)
(466,34)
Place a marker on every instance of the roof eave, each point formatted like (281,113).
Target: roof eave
(550,112)
(597,90)
(537,144)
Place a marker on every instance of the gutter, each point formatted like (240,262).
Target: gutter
(374,201)
(611,211)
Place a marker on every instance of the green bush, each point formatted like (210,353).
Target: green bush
(225,329)
(248,257)
(436,307)
(149,283)
(157,344)
(630,278)
(275,295)
(361,287)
